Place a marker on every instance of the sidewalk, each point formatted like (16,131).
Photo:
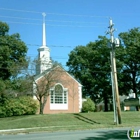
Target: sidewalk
(33,128)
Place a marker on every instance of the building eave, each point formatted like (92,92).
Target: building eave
(37,77)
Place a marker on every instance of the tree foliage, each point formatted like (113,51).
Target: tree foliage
(21,86)
(88,105)
(130,72)
(90,64)
(13,53)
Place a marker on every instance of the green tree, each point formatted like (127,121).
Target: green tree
(12,53)
(3,96)
(22,85)
(90,64)
(130,72)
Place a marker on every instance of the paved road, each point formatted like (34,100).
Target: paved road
(105,134)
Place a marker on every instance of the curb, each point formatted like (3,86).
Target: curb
(22,129)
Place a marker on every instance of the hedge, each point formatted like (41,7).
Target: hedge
(24,105)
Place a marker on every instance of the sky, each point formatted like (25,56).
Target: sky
(69,23)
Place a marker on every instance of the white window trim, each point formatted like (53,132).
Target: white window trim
(56,106)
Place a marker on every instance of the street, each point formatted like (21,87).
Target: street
(103,134)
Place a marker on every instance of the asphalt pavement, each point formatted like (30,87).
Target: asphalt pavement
(96,134)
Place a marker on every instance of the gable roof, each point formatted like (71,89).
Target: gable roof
(37,77)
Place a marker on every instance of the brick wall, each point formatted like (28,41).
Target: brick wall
(62,77)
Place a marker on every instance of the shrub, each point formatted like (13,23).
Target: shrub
(88,105)
(23,105)
(2,112)
(30,105)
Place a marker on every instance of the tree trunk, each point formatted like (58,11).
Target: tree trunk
(73,106)
(105,103)
(41,108)
(134,87)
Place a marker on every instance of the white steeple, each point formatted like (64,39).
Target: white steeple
(44,61)
(44,31)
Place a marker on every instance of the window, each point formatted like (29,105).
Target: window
(52,96)
(65,97)
(58,95)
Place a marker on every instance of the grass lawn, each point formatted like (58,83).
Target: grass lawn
(81,121)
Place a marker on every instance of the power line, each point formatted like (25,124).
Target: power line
(74,21)
(21,18)
(79,15)
(56,57)
(22,22)
(61,46)
(54,70)
(53,13)
(50,20)
(7,9)
(55,25)
(34,55)
(94,71)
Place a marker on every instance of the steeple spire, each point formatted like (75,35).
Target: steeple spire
(44,30)
(43,52)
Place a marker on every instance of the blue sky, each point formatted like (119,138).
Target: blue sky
(69,22)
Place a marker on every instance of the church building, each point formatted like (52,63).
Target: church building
(63,93)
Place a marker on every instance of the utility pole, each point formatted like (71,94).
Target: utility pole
(114,43)
(113,94)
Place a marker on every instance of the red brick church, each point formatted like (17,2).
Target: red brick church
(65,92)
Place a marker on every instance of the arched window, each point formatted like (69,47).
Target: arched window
(58,95)
(58,89)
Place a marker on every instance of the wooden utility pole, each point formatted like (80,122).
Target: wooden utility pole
(114,73)
(113,94)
